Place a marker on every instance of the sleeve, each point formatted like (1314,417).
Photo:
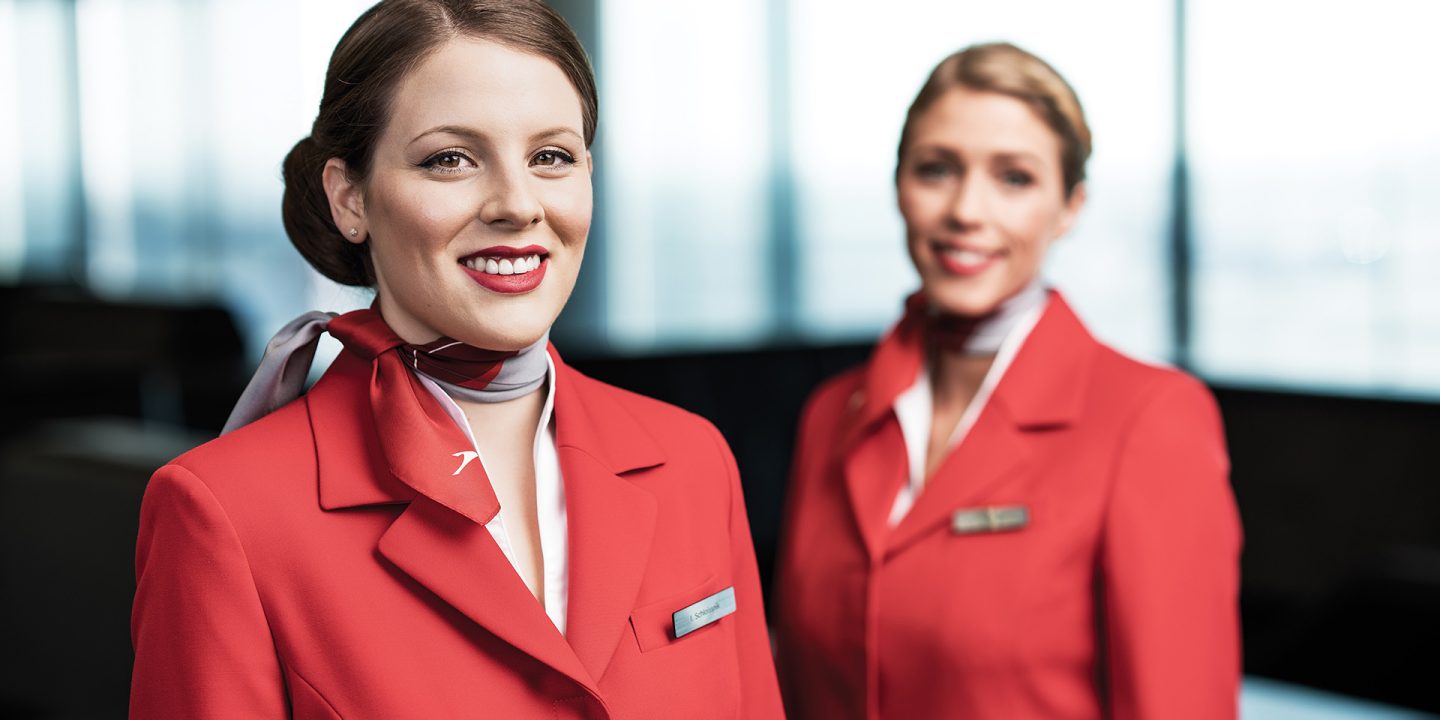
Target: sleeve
(203,648)
(759,691)
(1170,565)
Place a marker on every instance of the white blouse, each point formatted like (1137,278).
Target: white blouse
(914,408)
(549,501)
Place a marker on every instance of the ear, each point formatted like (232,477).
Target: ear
(347,200)
(590,162)
(1073,205)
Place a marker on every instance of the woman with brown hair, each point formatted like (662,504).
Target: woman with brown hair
(452,522)
(998,516)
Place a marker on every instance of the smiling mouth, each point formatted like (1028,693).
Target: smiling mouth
(965,261)
(507,270)
(503,266)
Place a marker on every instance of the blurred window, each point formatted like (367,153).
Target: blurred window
(686,166)
(149,137)
(1315,175)
(745,169)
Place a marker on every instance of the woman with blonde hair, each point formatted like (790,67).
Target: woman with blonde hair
(999,517)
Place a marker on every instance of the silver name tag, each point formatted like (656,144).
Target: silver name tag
(692,618)
(989,519)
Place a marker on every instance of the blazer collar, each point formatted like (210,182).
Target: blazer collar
(611,520)
(352,469)
(1042,387)
(892,369)
(588,417)
(1045,384)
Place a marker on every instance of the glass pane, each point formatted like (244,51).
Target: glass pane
(685,159)
(37,125)
(12,205)
(1316,171)
(182,129)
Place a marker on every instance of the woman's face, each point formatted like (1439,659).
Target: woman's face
(982,192)
(478,200)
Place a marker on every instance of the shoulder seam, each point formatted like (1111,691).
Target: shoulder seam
(1162,387)
(732,477)
(249,568)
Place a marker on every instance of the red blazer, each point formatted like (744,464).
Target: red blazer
(1117,599)
(283,572)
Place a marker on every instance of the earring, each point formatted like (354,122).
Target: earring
(354,232)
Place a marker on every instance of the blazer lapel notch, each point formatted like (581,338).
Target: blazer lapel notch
(589,418)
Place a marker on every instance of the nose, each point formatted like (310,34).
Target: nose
(967,204)
(510,201)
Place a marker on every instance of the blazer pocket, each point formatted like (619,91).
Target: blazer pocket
(654,623)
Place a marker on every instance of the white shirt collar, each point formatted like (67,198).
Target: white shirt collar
(914,408)
(549,499)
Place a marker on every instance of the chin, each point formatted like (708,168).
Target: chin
(965,302)
(512,323)
(504,341)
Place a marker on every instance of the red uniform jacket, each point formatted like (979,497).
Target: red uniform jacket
(283,572)
(1116,599)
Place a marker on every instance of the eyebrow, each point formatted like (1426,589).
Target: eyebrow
(473,134)
(949,154)
(1029,156)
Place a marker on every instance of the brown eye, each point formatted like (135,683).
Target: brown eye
(552,159)
(447,161)
(1017,178)
(932,170)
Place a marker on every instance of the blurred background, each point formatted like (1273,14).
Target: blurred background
(1264,211)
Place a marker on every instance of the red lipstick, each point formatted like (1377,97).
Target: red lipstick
(505,251)
(515,283)
(967,263)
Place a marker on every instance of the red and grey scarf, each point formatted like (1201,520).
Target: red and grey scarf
(418,437)
(463,371)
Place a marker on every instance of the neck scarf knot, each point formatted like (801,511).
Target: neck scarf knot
(972,335)
(422,445)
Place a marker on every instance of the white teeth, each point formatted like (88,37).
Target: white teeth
(967,257)
(504,266)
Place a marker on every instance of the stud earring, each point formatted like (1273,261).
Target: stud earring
(354,232)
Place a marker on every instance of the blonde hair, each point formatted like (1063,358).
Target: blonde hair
(1006,69)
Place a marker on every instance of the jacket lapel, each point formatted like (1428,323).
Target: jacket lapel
(1042,390)
(874,470)
(611,520)
(457,559)
(872,454)
(352,467)
(993,452)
